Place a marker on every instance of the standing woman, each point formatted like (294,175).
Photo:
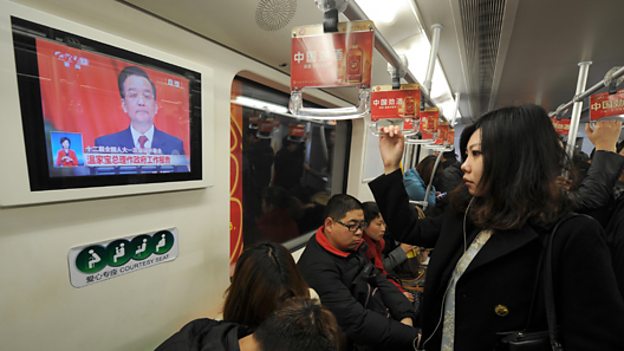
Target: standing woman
(487,244)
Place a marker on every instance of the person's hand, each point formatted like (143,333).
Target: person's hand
(604,135)
(407,321)
(409,296)
(391,143)
(406,247)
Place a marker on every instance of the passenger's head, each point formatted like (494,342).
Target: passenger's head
(138,97)
(65,142)
(513,159)
(344,222)
(265,276)
(300,325)
(425,168)
(376,226)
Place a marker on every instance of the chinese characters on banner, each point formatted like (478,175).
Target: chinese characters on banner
(605,105)
(399,103)
(321,60)
(396,106)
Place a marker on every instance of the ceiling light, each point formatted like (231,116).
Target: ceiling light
(381,11)
(260,105)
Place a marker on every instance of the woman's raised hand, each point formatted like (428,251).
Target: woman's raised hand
(391,144)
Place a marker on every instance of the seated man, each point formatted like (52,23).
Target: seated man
(333,263)
(299,324)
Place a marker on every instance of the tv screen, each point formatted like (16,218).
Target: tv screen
(98,115)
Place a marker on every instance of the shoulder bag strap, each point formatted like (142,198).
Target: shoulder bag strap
(549,297)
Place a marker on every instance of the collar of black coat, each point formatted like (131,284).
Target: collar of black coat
(322,240)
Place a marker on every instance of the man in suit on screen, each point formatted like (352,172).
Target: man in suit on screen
(138,100)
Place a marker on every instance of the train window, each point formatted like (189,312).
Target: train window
(289,167)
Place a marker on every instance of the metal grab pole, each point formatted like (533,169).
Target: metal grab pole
(455,109)
(433,172)
(577,108)
(354,13)
(593,89)
(433,54)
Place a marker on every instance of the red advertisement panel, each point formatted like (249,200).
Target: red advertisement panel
(443,131)
(450,137)
(399,103)
(606,105)
(562,126)
(321,60)
(429,120)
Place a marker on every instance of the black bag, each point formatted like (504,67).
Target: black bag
(544,340)
(365,291)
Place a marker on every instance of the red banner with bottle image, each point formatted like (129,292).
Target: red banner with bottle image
(443,131)
(322,60)
(605,105)
(429,121)
(395,103)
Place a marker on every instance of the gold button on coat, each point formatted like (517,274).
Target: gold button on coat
(501,310)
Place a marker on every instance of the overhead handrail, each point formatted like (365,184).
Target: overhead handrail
(593,89)
(354,13)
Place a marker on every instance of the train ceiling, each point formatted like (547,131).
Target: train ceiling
(494,52)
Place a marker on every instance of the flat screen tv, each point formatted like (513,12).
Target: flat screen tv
(98,115)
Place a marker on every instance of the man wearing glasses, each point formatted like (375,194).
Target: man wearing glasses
(370,310)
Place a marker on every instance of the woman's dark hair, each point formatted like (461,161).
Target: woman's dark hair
(265,276)
(522,157)
(63,140)
(301,325)
(425,168)
(371,211)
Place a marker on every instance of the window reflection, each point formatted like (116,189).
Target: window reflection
(287,173)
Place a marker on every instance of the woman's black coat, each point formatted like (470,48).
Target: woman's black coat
(494,293)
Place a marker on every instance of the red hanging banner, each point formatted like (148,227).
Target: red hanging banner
(562,126)
(395,103)
(322,60)
(450,137)
(442,137)
(429,120)
(605,105)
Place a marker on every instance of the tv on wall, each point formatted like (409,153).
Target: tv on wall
(97,115)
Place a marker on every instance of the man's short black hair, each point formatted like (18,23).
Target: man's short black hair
(340,204)
(300,324)
(132,71)
(65,138)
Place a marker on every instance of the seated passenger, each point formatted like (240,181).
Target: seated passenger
(265,276)
(299,325)
(374,238)
(334,265)
(416,181)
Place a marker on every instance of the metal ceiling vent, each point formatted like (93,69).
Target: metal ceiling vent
(274,15)
(482,21)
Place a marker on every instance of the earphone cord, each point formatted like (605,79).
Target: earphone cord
(464,224)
